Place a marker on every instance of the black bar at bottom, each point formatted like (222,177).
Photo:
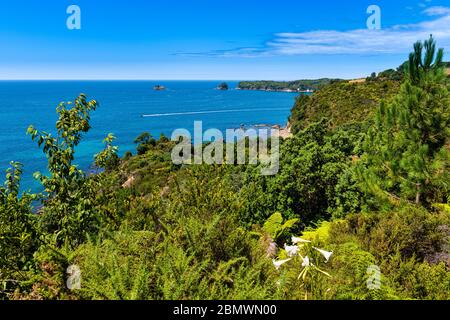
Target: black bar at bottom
(288,310)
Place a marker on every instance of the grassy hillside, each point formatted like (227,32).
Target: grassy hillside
(341,103)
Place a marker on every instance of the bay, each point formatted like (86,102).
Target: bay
(126,109)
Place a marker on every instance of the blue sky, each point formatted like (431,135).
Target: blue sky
(206,39)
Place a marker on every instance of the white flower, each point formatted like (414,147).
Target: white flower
(326,254)
(279,263)
(296,240)
(291,250)
(305,262)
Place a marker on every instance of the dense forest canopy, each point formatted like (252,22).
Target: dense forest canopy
(359,209)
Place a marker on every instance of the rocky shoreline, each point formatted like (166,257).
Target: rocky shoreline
(283,132)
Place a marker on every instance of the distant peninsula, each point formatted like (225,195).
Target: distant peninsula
(286,86)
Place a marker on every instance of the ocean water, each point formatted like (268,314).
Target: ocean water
(122,106)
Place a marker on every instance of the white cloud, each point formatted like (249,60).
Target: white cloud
(437,11)
(396,39)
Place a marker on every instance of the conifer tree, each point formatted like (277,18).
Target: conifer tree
(405,156)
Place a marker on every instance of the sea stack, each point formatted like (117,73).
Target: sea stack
(159,88)
(222,86)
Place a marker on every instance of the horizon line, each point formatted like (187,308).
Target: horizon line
(127,79)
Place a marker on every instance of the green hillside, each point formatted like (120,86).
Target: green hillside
(342,102)
(355,212)
(345,102)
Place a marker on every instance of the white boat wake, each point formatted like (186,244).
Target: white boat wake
(208,112)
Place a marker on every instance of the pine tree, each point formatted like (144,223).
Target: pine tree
(405,156)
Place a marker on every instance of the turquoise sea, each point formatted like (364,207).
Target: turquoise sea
(122,105)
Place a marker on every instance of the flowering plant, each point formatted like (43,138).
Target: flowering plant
(307,257)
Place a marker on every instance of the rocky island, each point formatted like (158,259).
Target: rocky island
(159,88)
(222,86)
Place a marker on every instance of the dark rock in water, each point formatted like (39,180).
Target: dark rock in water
(223,86)
(159,88)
